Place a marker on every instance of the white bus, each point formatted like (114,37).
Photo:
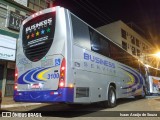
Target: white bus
(60,58)
(153,81)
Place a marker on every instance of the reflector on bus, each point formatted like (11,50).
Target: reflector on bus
(62,73)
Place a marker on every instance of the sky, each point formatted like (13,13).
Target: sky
(143,13)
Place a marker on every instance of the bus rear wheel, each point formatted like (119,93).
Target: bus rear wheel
(111,102)
(143,95)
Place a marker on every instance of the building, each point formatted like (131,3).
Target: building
(130,40)
(12,13)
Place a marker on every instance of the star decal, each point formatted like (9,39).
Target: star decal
(42,32)
(28,36)
(48,29)
(32,35)
(37,33)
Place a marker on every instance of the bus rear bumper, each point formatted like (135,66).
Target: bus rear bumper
(61,95)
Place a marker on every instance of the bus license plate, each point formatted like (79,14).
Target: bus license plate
(36,86)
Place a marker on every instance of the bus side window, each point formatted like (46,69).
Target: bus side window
(104,47)
(95,42)
(115,52)
(80,33)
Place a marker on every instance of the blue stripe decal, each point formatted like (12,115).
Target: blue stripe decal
(31,76)
(138,79)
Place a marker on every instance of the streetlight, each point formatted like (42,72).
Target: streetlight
(157,54)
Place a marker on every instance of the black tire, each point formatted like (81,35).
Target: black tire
(111,102)
(111,97)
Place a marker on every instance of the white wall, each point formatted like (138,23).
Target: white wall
(113,31)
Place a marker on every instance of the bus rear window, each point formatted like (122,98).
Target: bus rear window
(38,36)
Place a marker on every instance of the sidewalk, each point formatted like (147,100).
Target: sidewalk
(8,102)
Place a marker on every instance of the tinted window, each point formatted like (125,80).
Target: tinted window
(95,41)
(38,36)
(99,43)
(116,52)
(104,42)
(80,33)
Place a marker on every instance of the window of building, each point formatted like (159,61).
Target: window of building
(38,5)
(137,42)
(133,40)
(124,45)
(138,53)
(143,46)
(3,14)
(124,34)
(133,50)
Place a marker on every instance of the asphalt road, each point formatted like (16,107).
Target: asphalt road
(149,107)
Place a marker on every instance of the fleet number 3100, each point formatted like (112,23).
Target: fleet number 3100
(53,76)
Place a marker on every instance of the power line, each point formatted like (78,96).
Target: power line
(99,10)
(93,13)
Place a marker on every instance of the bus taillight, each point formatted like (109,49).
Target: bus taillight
(61,84)
(15,86)
(62,74)
(33,16)
(15,79)
(53,9)
(16,75)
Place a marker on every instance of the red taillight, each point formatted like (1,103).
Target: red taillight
(16,75)
(61,84)
(33,16)
(62,74)
(15,79)
(40,12)
(53,9)
(15,86)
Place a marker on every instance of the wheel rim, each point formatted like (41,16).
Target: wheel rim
(112,97)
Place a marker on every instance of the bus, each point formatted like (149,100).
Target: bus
(153,80)
(60,58)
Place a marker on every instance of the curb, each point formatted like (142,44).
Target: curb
(19,105)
